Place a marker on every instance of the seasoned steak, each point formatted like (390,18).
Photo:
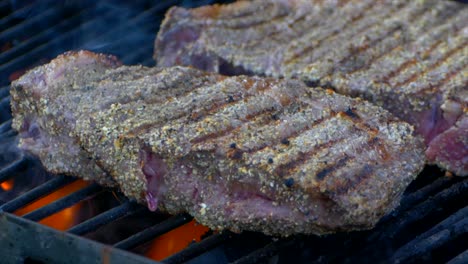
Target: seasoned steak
(409,57)
(50,136)
(242,153)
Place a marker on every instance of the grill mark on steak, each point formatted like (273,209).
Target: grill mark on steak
(364,174)
(425,18)
(356,51)
(214,105)
(332,34)
(295,133)
(302,158)
(297,156)
(350,184)
(441,32)
(253,118)
(342,185)
(330,169)
(364,28)
(242,26)
(436,64)
(375,34)
(186,89)
(450,75)
(250,115)
(373,140)
(262,119)
(328,35)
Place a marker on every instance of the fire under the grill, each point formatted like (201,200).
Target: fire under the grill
(59,219)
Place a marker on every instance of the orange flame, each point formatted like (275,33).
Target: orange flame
(176,240)
(64,219)
(161,247)
(7,185)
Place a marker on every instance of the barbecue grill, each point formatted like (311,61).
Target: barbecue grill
(430,225)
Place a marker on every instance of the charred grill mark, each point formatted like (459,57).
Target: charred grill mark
(395,72)
(360,177)
(213,135)
(369,64)
(307,49)
(297,21)
(294,134)
(142,128)
(260,118)
(407,64)
(342,187)
(214,107)
(302,157)
(362,31)
(355,51)
(350,112)
(415,76)
(396,46)
(185,91)
(244,25)
(235,154)
(375,30)
(442,82)
(330,169)
(385,36)
(341,4)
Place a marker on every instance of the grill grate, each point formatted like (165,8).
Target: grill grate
(430,225)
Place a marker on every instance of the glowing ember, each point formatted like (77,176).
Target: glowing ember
(176,240)
(64,219)
(7,185)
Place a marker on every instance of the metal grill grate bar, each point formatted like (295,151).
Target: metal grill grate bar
(141,18)
(267,251)
(424,209)
(4,91)
(199,248)
(8,171)
(36,193)
(55,46)
(5,102)
(4,127)
(149,61)
(44,36)
(460,259)
(421,195)
(8,21)
(63,203)
(154,231)
(137,56)
(447,230)
(103,219)
(29,26)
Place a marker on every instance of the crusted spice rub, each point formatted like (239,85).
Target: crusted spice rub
(238,153)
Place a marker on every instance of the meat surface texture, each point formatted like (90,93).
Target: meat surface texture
(409,57)
(238,153)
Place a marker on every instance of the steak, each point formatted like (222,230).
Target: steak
(409,57)
(241,153)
